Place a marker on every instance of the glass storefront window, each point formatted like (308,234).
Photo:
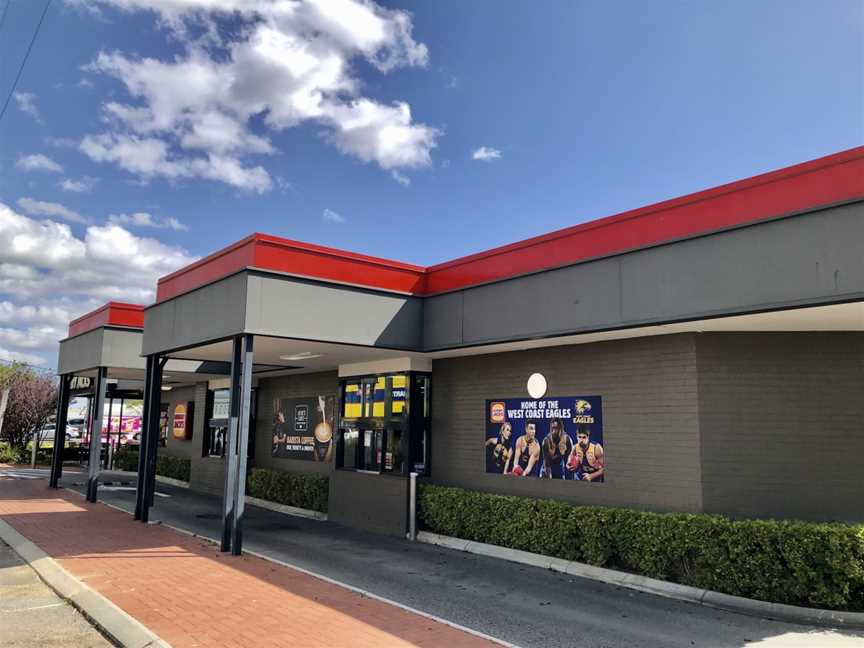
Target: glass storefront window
(353,400)
(398,394)
(371,451)
(349,448)
(393,458)
(379,397)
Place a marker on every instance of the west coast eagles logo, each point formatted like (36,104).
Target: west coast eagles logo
(582,406)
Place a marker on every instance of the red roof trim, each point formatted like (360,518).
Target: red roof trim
(824,181)
(111,314)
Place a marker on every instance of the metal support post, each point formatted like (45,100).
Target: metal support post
(412,507)
(60,431)
(142,441)
(94,462)
(242,446)
(152,437)
(230,445)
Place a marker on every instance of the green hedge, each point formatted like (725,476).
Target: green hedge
(166,465)
(303,490)
(798,563)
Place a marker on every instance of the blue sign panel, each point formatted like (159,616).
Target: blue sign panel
(556,437)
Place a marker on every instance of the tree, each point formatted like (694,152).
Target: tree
(32,398)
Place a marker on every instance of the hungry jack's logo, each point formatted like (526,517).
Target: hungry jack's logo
(497,413)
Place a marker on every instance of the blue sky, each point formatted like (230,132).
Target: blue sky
(583,109)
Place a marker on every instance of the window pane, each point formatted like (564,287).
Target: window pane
(380,395)
(216,441)
(398,394)
(372,449)
(349,448)
(393,458)
(421,460)
(353,400)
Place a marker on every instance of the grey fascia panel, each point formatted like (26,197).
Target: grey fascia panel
(212,312)
(81,352)
(295,308)
(122,349)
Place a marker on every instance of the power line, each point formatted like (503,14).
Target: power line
(5,11)
(26,56)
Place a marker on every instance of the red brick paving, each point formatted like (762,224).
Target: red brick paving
(190,594)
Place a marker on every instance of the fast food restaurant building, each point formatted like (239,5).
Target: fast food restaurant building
(710,348)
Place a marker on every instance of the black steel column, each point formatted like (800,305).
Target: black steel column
(142,441)
(108,433)
(242,446)
(229,493)
(152,436)
(60,431)
(94,463)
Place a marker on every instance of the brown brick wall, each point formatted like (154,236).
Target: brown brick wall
(782,419)
(300,386)
(651,427)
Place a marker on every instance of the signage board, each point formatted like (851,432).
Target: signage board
(555,437)
(303,428)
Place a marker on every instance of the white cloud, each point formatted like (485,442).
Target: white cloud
(486,153)
(330,216)
(82,185)
(26,102)
(144,219)
(48,275)
(400,178)
(287,62)
(84,83)
(14,356)
(38,162)
(41,208)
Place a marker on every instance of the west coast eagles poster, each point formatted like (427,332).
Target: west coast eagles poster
(553,438)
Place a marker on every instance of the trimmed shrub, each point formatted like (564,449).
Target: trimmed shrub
(782,561)
(167,466)
(303,490)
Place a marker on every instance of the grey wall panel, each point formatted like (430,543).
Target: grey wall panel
(812,258)
(371,502)
(293,308)
(122,349)
(81,352)
(209,313)
(651,426)
(577,298)
(269,389)
(442,320)
(809,259)
(782,421)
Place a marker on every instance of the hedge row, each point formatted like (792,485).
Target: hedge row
(308,491)
(798,563)
(166,465)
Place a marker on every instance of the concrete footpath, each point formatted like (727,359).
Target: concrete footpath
(524,605)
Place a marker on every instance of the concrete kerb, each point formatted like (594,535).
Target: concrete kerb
(113,622)
(775,611)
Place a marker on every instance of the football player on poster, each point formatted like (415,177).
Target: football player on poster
(526,459)
(586,459)
(557,447)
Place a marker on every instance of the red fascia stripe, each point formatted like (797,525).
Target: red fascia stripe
(824,181)
(111,314)
(298,259)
